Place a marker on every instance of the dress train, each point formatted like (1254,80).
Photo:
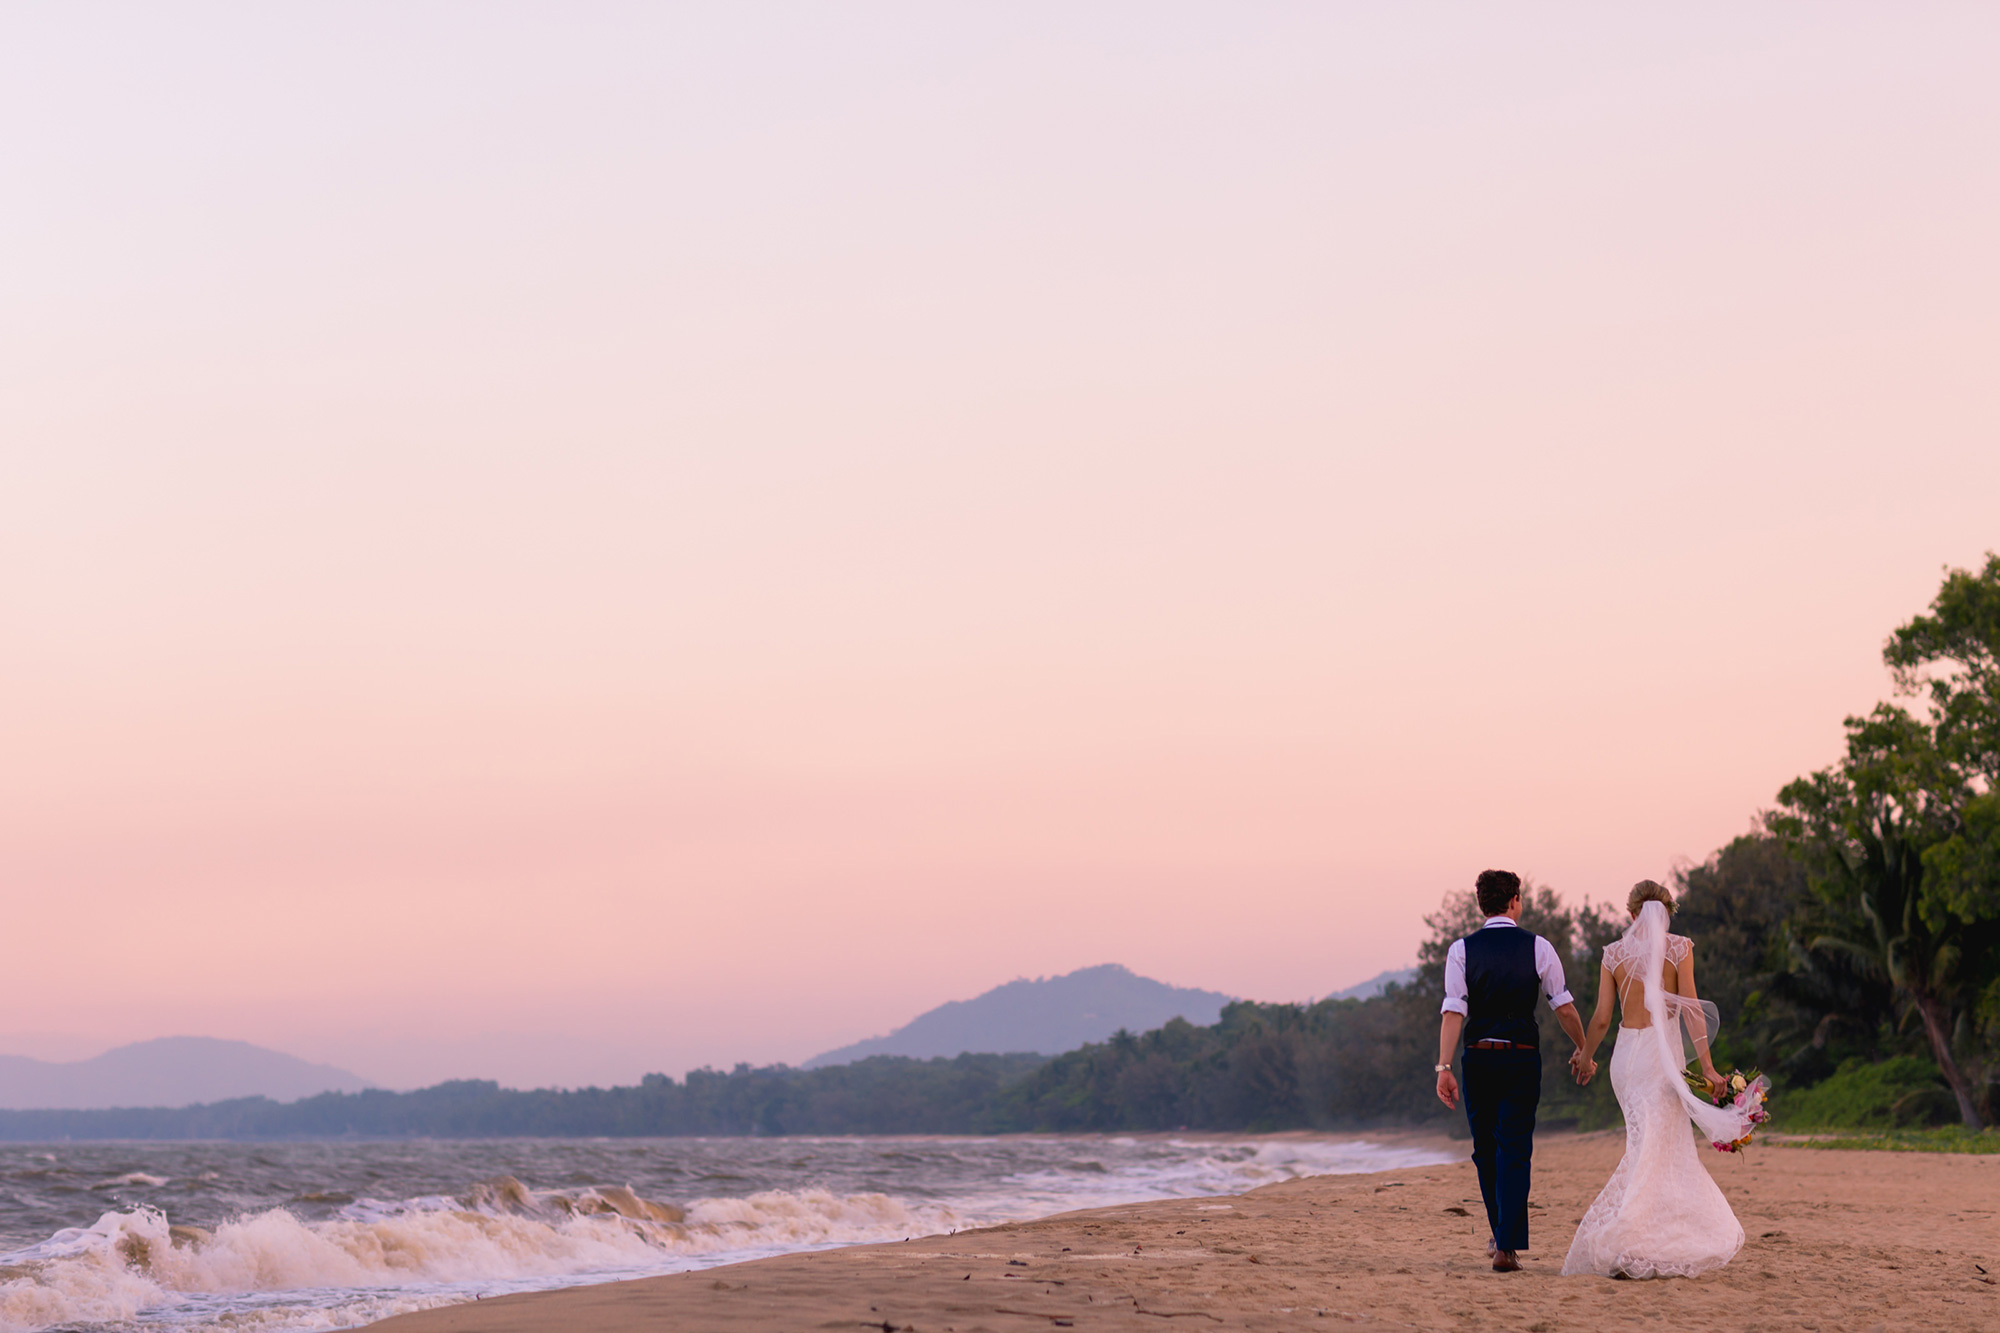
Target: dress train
(1660,1214)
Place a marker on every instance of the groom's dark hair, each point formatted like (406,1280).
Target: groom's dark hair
(1496,889)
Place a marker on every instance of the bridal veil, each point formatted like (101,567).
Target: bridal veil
(1660,1215)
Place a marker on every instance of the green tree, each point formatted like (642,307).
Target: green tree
(1953,656)
(1742,906)
(1900,840)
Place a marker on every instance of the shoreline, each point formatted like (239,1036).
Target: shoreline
(1834,1241)
(195,1237)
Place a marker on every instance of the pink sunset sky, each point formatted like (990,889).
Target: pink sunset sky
(556,541)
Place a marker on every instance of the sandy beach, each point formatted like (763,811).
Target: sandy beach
(1837,1240)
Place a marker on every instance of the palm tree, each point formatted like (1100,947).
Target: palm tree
(1862,828)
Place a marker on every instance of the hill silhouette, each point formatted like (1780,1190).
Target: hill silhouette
(169,1071)
(1044,1016)
(1375,985)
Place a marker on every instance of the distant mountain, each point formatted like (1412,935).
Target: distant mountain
(1374,986)
(1048,1016)
(172,1071)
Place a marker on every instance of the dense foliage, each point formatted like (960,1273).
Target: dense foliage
(883,1095)
(1853,945)
(1900,842)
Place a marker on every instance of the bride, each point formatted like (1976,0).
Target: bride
(1660,1215)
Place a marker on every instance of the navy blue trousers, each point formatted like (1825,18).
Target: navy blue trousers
(1501,1091)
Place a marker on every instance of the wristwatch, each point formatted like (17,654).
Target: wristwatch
(1439,1069)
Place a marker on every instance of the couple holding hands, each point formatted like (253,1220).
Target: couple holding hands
(1660,1215)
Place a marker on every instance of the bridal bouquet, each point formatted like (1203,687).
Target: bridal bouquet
(1744,1091)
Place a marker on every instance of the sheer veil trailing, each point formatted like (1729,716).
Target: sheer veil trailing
(1661,1214)
(1675,1017)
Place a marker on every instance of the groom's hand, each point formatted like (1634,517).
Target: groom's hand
(1448,1089)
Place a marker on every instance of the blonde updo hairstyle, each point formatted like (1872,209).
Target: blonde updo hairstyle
(1647,891)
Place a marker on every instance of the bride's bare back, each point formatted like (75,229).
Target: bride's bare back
(1623,969)
(1660,1214)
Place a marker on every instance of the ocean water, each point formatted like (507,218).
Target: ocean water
(271,1237)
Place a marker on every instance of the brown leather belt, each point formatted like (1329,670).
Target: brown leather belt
(1494,1044)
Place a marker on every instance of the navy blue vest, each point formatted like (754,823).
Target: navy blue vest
(1501,986)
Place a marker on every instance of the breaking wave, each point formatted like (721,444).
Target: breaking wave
(316,1236)
(500,1235)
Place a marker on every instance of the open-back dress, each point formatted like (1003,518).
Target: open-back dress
(1660,1215)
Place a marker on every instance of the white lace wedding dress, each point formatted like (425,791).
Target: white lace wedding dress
(1660,1215)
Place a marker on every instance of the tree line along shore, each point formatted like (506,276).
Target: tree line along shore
(1852,943)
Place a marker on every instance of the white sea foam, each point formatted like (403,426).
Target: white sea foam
(270,1270)
(133,1261)
(1193,1167)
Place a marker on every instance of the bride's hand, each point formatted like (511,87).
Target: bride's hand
(1718,1086)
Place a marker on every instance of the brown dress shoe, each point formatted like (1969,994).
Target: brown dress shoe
(1505,1262)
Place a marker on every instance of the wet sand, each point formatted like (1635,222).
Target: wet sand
(1855,1241)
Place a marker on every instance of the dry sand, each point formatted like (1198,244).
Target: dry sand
(1837,1240)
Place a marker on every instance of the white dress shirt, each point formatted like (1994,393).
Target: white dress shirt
(1547,965)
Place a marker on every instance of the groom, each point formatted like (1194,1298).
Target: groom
(1492,979)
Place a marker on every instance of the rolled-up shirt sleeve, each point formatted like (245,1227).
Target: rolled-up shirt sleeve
(1454,979)
(1550,966)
